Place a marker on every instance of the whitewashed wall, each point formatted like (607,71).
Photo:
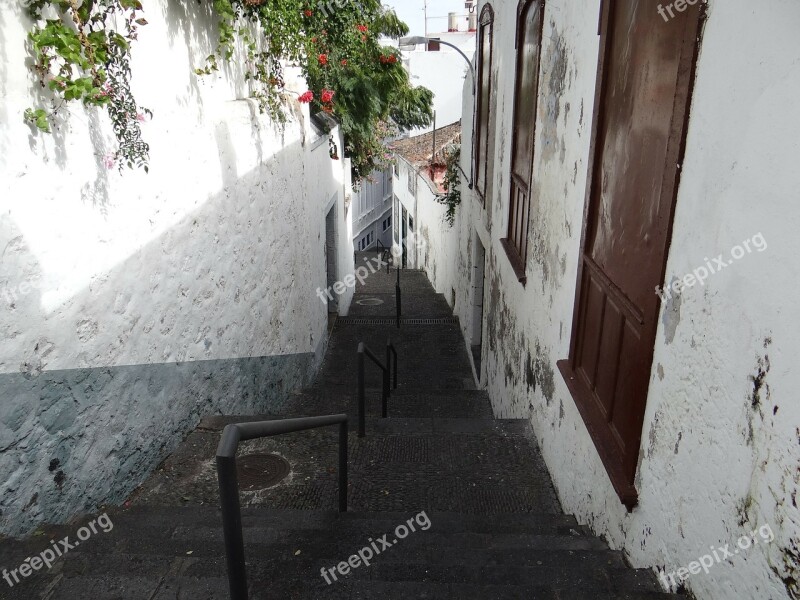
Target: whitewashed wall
(132,305)
(721,439)
(442,72)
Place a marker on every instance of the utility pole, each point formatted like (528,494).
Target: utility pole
(425,2)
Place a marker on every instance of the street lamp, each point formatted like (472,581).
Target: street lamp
(419,39)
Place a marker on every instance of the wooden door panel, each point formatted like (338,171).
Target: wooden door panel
(593,323)
(641,115)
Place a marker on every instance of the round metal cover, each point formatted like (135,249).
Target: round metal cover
(261,471)
(369,302)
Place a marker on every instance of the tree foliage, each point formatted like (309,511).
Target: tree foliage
(351,75)
(81,56)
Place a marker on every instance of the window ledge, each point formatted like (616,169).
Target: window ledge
(515,259)
(605,446)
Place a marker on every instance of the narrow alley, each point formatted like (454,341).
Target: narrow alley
(494,525)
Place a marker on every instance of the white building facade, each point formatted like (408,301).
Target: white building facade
(658,154)
(442,70)
(372,212)
(134,304)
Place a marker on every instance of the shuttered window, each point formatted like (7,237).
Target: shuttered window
(529,38)
(483,131)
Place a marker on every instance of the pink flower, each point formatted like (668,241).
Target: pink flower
(140,117)
(109,160)
(307,97)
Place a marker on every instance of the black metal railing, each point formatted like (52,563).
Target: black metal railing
(229,484)
(391,353)
(398,299)
(363,352)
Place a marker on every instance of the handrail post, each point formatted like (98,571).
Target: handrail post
(232,527)
(389,358)
(395,367)
(386,392)
(343,466)
(398,299)
(362,401)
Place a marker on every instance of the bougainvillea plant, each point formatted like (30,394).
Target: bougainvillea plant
(79,55)
(351,76)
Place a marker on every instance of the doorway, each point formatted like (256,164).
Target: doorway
(330,258)
(478,295)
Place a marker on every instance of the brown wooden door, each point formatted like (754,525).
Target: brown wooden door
(640,122)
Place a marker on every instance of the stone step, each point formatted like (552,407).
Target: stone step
(430,358)
(383,303)
(167,518)
(462,404)
(207,588)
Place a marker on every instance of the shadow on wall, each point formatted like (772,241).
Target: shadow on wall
(202,305)
(39,97)
(198,26)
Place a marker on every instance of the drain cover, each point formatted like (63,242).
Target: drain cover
(261,471)
(369,302)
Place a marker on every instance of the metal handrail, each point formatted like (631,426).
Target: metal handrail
(383,254)
(362,395)
(398,298)
(390,350)
(232,435)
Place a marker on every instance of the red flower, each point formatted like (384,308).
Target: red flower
(327,96)
(344,63)
(307,97)
(308,12)
(392,59)
(313,40)
(323,59)
(362,28)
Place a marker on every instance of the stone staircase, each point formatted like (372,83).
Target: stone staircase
(487,523)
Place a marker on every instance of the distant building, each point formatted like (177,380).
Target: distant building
(372,212)
(417,181)
(442,70)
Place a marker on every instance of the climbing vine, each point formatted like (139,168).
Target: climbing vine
(79,55)
(350,74)
(452,184)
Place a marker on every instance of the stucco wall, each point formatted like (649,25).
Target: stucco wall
(132,305)
(721,438)
(441,72)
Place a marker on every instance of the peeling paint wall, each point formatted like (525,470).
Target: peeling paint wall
(720,454)
(133,305)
